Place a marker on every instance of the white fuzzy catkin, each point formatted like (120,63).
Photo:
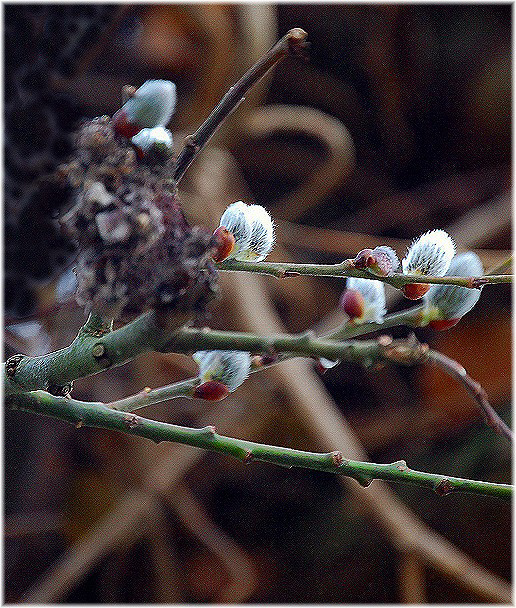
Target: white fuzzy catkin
(253,229)
(430,254)
(451,301)
(230,367)
(152,105)
(262,235)
(373,293)
(158,136)
(236,219)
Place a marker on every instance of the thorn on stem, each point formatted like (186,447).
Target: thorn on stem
(131,421)
(209,430)
(248,457)
(401,465)
(337,458)
(443,487)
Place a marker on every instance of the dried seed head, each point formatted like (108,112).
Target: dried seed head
(230,367)
(445,305)
(430,254)
(152,105)
(372,306)
(136,250)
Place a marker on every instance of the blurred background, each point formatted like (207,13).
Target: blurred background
(399,122)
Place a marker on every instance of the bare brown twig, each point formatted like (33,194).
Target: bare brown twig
(450,366)
(292,43)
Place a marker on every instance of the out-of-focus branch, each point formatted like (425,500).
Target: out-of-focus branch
(238,563)
(502,267)
(411,579)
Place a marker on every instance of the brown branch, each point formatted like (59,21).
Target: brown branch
(292,43)
(238,563)
(450,366)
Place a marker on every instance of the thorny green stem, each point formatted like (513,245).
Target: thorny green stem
(347,269)
(291,44)
(92,351)
(99,415)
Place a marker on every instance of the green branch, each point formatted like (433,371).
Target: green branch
(94,350)
(150,396)
(99,415)
(409,317)
(347,269)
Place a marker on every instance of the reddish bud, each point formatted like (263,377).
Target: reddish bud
(443,324)
(365,259)
(122,125)
(211,391)
(415,291)
(225,243)
(352,303)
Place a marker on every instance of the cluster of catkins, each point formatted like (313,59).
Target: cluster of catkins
(432,254)
(363,300)
(136,250)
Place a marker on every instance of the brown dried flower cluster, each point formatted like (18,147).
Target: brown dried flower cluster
(136,249)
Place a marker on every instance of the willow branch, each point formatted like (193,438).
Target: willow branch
(478,394)
(291,44)
(82,413)
(347,268)
(150,396)
(501,268)
(409,317)
(93,351)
